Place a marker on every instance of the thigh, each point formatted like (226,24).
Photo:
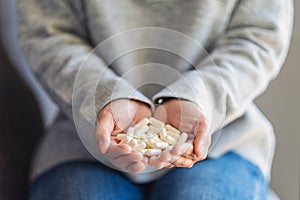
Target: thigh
(228,177)
(83,181)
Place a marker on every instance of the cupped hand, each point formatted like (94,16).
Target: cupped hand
(187,117)
(113,119)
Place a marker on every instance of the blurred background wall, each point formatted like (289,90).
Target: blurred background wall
(281,104)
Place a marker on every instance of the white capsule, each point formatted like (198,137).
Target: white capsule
(130,131)
(143,143)
(133,142)
(154,129)
(156,139)
(126,139)
(173,134)
(141,130)
(183,137)
(156,123)
(152,152)
(169,148)
(140,135)
(121,136)
(141,123)
(160,145)
(150,143)
(151,134)
(139,146)
(162,133)
(172,129)
(170,140)
(139,140)
(143,151)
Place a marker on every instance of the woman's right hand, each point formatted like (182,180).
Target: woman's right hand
(113,119)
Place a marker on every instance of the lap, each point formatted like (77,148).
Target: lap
(228,177)
(83,181)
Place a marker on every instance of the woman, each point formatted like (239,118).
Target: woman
(209,95)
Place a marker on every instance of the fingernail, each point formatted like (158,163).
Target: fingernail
(103,146)
(100,146)
(202,151)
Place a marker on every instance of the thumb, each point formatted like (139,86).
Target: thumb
(104,128)
(201,144)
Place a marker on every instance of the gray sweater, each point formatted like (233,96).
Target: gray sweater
(219,54)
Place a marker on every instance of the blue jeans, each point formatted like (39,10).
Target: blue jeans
(228,177)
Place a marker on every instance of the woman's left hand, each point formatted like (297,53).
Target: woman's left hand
(187,117)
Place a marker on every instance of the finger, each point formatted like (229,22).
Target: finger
(103,131)
(202,139)
(116,150)
(188,152)
(136,167)
(168,157)
(161,161)
(201,144)
(145,161)
(183,162)
(180,149)
(155,162)
(124,161)
(116,132)
(170,166)
(165,156)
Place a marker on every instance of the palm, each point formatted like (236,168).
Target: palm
(116,117)
(187,117)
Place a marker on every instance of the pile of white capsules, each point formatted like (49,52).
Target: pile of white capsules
(151,137)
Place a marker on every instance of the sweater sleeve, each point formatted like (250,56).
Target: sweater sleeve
(54,39)
(242,62)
